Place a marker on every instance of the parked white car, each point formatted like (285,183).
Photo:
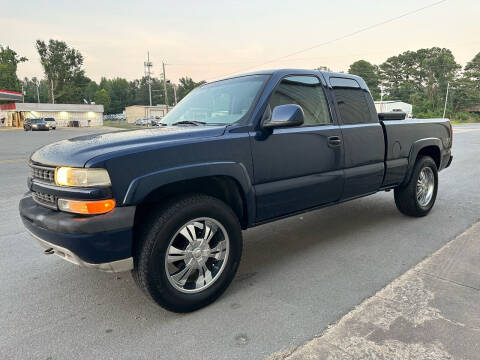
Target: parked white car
(51,123)
(146,122)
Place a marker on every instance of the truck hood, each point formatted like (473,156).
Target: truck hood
(77,151)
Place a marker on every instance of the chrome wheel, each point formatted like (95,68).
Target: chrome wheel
(425,186)
(196,255)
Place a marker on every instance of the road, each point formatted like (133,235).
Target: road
(297,275)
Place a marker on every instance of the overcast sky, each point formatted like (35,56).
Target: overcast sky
(210,39)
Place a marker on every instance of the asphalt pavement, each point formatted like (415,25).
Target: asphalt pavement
(297,275)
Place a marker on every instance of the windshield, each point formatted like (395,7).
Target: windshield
(37,121)
(221,102)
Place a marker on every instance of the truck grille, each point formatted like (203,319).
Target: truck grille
(43,173)
(47,200)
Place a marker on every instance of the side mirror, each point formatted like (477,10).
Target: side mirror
(289,115)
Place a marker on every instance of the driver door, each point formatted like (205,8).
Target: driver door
(300,167)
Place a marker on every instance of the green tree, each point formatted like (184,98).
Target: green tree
(30,89)
(472,71)
(103,97)
(118,89)
(465,91)
(463,94)
(186,85)
(90,89)
(420,77)
(369,73)
(62,66)
(322,68)
(9,61)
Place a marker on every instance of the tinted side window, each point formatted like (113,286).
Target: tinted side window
(307,92)
(353,105)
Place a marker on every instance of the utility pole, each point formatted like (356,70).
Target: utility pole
(148,70)
(446,99)
(165,85)
(53,96)
(23,93)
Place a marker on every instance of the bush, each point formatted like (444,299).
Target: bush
(465,116)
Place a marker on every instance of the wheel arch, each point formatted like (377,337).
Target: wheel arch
(228,182)
(425,147)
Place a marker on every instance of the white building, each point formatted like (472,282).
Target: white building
(136,112)
(394,106)
(64,114)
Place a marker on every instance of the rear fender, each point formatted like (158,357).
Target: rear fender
(415,149)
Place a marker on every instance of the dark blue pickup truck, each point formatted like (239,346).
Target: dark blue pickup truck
(170,203)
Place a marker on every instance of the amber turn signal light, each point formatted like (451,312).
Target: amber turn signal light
(86,207)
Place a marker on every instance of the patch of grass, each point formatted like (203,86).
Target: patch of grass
(460,122)
(119,124)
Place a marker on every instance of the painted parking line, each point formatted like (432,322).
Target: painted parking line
(6,161)
(461,131)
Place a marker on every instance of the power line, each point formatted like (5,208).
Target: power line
(328,42)
(318,58)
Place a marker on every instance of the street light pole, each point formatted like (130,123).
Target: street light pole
(175,92)
(165,85)
(446,99)
(381,98)
(53,96)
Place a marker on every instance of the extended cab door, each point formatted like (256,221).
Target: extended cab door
(363,137)
(301,167)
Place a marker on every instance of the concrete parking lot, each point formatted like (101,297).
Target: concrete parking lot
(297,275)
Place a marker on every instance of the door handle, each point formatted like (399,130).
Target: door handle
(334,141)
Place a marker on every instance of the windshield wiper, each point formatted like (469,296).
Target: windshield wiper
(189,122)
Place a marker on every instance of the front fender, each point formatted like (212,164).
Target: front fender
(143,185)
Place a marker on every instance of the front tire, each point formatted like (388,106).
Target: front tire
(187,254)
(417,197)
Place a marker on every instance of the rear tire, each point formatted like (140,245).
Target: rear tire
(204,234)
(417,197)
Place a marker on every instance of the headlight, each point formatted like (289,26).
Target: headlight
(81,177)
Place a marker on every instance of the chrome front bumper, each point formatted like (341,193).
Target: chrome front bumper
(65,254)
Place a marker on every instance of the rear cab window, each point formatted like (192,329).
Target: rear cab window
(352,101)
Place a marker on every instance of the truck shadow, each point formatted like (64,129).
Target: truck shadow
(269,247)
(267,250)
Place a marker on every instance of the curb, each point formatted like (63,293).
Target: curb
(432,311)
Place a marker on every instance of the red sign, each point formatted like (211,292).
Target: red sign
(10,92)
(10,106)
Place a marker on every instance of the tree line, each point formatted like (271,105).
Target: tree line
(66,82)
(421,78)
(417,77)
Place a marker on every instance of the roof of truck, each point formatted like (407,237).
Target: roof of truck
(285,72)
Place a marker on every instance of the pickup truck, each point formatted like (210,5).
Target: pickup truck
(169,203)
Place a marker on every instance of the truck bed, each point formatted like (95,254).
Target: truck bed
(399,137)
